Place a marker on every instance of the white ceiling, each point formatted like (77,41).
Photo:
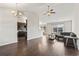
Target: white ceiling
(39,7)
(63,10)
(35,7)
(27,6)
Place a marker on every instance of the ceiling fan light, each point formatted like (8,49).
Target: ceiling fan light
(49,14)
(20,13)
(13,12)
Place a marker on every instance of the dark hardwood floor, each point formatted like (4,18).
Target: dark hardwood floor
(37,47)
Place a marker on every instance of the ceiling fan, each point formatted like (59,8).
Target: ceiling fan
(17,12)
(49,12)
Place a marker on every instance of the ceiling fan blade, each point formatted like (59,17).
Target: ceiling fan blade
(49,12)
(52,12)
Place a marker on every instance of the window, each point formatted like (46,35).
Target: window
(55,29)
(58,29)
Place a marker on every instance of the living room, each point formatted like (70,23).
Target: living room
(43,19)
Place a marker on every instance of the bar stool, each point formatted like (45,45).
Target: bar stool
(73,39)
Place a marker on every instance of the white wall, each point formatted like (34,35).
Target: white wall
(68,26)
(75,20)
(8,29)
(32,26)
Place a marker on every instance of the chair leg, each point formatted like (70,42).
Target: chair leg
(66,41)
(74,43)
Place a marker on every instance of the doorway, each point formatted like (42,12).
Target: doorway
(22,30)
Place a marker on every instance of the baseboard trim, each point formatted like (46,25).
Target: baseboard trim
(34,37)
(8,43)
